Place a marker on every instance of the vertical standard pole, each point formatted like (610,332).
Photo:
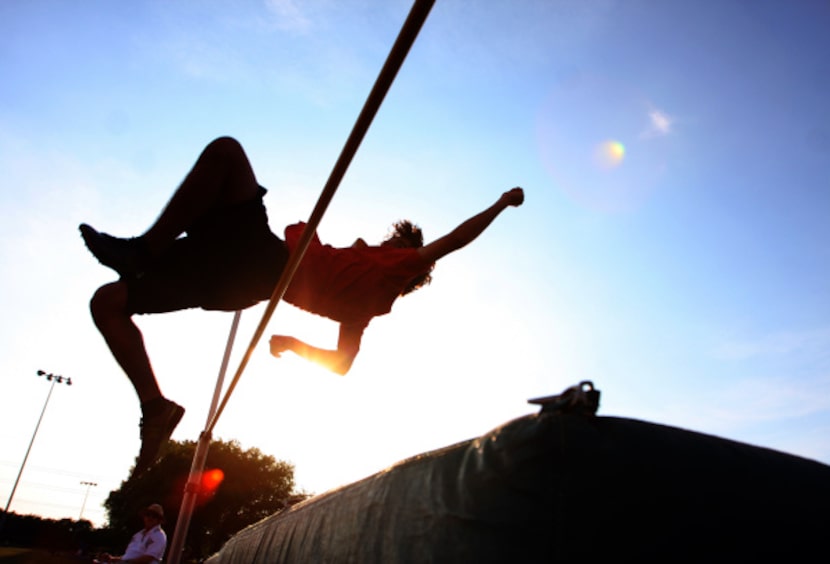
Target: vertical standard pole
(191,489)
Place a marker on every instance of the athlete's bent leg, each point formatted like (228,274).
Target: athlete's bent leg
(221,176)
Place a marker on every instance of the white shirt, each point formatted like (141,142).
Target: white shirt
(147,543)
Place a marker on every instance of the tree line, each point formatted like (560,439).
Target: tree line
(237,488)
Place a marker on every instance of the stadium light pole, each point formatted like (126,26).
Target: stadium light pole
(55,379)
(86,495)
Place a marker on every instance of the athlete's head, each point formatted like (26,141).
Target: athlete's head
(406,235)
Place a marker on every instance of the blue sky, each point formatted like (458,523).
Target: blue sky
(684,273)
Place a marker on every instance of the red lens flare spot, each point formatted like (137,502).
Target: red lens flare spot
(211,480)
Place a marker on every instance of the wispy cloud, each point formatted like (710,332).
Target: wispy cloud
(660,124)
(771,398)
(776,344)
(198,58)
(288,15)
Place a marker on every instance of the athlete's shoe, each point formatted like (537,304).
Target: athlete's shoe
(128,257)
(157,424)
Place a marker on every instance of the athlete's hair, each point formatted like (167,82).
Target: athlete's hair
(411,234)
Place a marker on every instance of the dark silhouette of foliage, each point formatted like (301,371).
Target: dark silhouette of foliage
(52,534)
(239,488)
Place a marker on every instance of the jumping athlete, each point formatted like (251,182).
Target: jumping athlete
(212,248)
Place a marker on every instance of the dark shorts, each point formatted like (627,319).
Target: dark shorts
(229,260)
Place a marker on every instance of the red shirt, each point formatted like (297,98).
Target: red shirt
(349,285)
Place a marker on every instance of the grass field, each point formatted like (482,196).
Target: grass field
(11,555)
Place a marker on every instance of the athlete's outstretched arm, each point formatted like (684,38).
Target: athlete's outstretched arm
(465,233)
(338,361)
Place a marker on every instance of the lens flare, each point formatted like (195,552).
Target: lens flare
(211,480)
(609,154)
(595,142)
